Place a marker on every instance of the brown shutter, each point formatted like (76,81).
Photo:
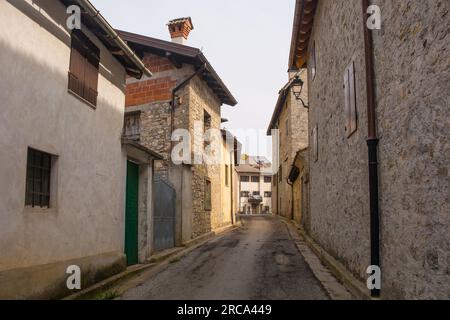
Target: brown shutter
(350,100)
(348,125)
(353,120)
(84,66)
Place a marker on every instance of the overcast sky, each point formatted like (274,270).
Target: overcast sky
(246,41)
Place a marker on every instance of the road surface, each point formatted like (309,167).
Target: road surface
(257,262)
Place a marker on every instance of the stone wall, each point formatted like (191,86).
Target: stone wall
(293,126)
(201,99)
(339,194)
(412,109)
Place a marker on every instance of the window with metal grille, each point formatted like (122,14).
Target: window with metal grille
(267,179)
(208,201)
(267,194)
(245,194)
(255,178)
(39,166)
(256,193)
(245,178)
(84,66)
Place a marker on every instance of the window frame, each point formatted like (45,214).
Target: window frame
(45,183)
(82,48)
(245,179)
(207,205)
(255,179)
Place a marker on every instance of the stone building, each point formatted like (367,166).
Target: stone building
(289,130)
(186,93)
(384,92)
(255,186)
(63,165)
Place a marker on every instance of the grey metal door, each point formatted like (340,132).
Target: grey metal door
(164,216)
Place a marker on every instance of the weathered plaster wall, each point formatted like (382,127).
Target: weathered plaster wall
(413,110)
(87,215)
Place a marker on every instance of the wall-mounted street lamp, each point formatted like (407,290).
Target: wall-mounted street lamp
(297,88)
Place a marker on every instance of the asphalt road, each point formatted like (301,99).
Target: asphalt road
(257,262)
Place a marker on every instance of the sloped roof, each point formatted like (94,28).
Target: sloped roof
(303,22)
(98,25)
(182,54)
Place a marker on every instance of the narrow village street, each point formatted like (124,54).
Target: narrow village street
(258,262)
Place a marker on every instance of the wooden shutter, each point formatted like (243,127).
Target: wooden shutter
(350,100)
(84,66)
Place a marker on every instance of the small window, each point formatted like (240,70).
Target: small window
(287,128)
(206,127)
(132,126)
(208,200)
(256,193)
(268,194)
(39,166)
(350,100)
(245,194)
(245,179)
(315,143)
(255,178)
(267,179)
(280,174)
(84,66)
(227,170)
(313,62)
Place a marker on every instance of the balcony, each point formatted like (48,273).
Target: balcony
(255,199)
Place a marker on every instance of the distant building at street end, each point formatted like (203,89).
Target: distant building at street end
(255,186)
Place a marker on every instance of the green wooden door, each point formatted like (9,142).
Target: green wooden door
(131,214)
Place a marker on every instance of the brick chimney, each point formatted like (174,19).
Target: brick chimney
(179,29)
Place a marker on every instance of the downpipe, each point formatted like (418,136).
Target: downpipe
(372,144)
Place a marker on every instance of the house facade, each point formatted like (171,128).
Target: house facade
(378,131)
(289,130)
(63,161)
(255,188)
(185,94)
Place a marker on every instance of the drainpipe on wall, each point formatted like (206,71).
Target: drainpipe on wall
(372,143)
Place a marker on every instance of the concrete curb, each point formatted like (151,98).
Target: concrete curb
(356,287)
(140,273)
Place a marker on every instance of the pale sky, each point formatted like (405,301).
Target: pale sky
(246,41)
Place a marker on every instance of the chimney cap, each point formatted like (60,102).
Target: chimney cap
(182,21)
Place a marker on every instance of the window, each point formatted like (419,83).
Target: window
(245,194)
(226,175)
(255,178)
(267,179)
(208,201)
(39,166)
(268,194)
(132,126)
(313,62)
(84,66)
(350,100)
(280,174)
(287,128)
(315,143)
(206,127)
(245,179)
(256,193)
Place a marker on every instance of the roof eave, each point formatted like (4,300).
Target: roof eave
(305,11)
